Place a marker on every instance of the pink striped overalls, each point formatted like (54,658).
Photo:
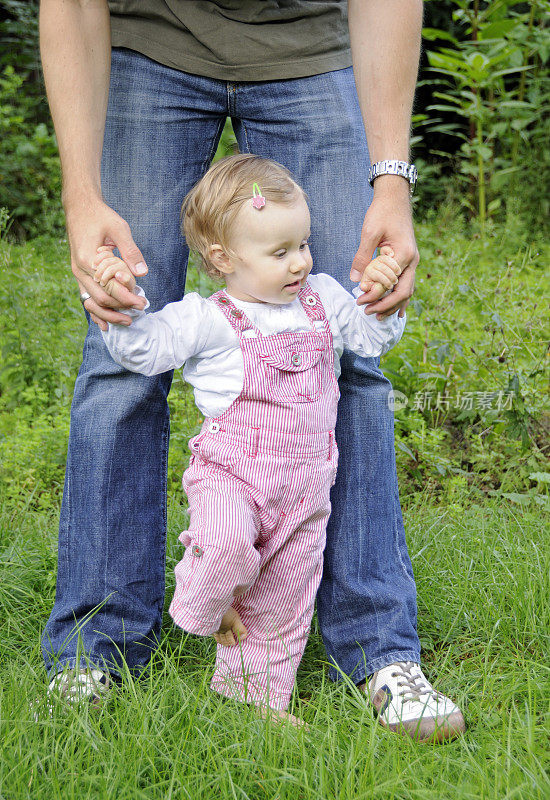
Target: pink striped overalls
(258,485)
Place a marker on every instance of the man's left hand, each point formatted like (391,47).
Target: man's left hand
(388,222)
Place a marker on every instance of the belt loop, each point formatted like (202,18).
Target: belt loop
(330,438)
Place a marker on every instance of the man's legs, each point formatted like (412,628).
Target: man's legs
(161,133)
(367,599)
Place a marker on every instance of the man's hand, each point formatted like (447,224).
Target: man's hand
(231,630)
(388,222)
(92,224)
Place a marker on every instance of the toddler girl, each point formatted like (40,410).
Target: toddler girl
(263,358)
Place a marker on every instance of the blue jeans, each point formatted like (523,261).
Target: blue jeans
(163,127)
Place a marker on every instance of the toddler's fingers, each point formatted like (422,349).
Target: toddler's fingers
(239,630)
(377,275)
(226,639)
(102,253)
(391,263)
(99,264)
(391,270)
(126,278)
(107,270)
(386,250)
(113,287)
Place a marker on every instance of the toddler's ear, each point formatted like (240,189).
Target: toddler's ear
(219,258)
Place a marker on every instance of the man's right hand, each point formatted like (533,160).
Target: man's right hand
(90,224)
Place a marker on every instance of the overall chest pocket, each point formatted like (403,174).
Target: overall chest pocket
(294,375)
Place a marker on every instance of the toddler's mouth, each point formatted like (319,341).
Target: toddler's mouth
(293,286)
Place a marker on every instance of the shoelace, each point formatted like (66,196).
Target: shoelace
(414,686)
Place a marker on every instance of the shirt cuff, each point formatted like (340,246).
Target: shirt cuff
(136,312)
(357,292)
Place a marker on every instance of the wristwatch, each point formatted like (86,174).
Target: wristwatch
(392,167)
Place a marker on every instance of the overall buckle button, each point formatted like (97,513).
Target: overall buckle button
(213,427)
(296,359)
(236,313)
(310,300)
(197,551)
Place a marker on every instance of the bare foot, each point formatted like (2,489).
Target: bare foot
(231,630)
(281,716)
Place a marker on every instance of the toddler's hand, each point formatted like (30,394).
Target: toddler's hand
(381,274)
(231,630)
(108,269)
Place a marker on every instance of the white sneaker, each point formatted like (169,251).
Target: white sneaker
(405,702)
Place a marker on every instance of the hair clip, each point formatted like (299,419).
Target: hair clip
(258,200)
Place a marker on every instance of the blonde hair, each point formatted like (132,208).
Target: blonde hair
(210,208)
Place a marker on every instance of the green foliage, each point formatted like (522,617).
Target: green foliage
(40,345)
(19,37)
(473,364)
(30,180)
(494,99)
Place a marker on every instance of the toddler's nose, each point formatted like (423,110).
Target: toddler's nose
(300,263)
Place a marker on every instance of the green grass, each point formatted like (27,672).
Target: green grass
(483,596)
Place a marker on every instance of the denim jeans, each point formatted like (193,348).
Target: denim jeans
(162,130)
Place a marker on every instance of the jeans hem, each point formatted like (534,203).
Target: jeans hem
(360,673)
(82,663)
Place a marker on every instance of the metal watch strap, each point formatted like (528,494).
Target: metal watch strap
(393,167)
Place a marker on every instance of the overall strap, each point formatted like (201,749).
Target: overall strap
(312,305)
(236,318)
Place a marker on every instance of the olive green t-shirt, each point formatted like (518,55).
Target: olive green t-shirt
(236,40)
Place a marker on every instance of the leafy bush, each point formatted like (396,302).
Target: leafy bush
(472,367)
(495,92)
(30,180)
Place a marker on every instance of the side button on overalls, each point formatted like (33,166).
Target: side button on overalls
(258,485)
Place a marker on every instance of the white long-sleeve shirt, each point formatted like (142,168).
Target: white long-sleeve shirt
(194,333)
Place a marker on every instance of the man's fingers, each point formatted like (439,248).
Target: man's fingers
(103,308)
(362,259)
(98,313)
(101,323)
(403,308)
(372,294)
(390,304)
(130,252)
(370,239)
(119,297)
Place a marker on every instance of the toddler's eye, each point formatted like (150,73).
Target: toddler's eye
(280,253)
(304,245)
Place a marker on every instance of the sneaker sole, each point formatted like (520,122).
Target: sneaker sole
(435,730)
